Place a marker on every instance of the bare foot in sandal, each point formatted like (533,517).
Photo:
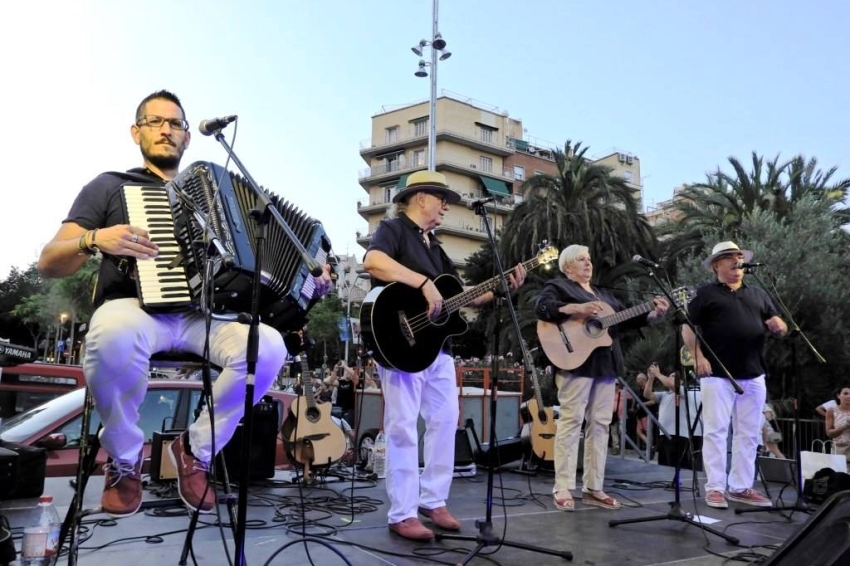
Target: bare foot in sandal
(599,499)
(563,500)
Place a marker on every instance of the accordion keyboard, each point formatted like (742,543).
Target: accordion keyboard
(161,281)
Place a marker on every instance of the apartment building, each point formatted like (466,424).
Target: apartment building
(480,149)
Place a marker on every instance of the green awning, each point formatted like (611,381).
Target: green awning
(402,181)
(494,187)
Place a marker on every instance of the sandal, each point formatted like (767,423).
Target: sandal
(599,499)
(563,503)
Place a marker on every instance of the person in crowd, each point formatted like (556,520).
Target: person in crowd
(343,380)
(586,392)
(122,336)
(838,422)
(406,251)
(824,407)
(618,410)
(640,414)
(770,437)
(734,319)
(674,446)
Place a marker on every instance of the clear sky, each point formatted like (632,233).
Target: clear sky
(682,85)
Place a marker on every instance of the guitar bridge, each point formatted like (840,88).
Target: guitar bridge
(406,331)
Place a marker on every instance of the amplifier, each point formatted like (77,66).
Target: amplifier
(161,468)
(263,444)
(22,470)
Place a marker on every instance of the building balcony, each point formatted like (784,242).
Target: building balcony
(484,140)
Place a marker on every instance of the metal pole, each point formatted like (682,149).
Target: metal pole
(347,322)
(432,111)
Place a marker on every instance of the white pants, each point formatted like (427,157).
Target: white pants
(582,397)
(119,344)
(432,392)
(719,403)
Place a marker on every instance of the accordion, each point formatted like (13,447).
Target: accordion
(190,272)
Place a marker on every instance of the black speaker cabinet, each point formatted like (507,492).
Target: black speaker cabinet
(22,470)
(464,454)
(824,540)
(263,445)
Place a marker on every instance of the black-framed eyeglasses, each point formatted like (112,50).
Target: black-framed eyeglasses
(443,200)
(153,121)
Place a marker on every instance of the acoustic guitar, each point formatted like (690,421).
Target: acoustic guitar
(395,326)
(541,419)
(310,436)
(568,344)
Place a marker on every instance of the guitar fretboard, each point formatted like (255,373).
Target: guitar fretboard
(462,299)
(625,315)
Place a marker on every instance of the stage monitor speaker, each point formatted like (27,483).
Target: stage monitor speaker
(263,445)
(22,470)
(161,468)
(464,454)
(824,540)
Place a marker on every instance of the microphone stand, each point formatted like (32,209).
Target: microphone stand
(676,513)
(264,210)
(485,536)
(800,504)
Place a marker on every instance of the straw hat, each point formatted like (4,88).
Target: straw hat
(724,248)
(428,181)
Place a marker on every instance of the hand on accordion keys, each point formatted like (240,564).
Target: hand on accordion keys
(323,282)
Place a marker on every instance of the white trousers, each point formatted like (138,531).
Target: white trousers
(580,398)
(433,393)
(119,344)
(719,404)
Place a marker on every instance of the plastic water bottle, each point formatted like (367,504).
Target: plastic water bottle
(41,535)
(380,462)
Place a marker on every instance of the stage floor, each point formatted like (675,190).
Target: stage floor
(352,523)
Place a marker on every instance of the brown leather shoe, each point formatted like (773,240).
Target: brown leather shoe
(122,487)
(441,517)
(412,529)
(192,482)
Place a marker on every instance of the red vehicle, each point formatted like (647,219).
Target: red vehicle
(25,386)
(169,404)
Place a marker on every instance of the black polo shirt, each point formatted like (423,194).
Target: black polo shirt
(605,361)
(402,240)
(732,323)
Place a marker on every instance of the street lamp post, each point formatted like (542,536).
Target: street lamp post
(438,53)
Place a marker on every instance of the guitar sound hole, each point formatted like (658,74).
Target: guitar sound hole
(593,328)
(312,414)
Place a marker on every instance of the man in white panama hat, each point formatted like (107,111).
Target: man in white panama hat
(734,319)
(405,250)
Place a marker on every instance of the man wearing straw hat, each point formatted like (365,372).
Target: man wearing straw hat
(404,249)
(734,319)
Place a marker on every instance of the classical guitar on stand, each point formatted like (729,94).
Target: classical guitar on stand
(394,321)
(568,344)
(310,435)
(541,419)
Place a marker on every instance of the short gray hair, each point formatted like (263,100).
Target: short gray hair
(570,254)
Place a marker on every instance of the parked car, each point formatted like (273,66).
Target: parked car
(168,405)
(25,386)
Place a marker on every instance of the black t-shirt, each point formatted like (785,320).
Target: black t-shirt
(732,323)
(345,394)
(605,361)
(99,205)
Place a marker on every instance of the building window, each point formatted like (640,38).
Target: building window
(627,175)
(388,193)
(393,162)
(420,127)
(418,158)
(486,164)
(486,133)
(392,134)
(538,172)
(519,172)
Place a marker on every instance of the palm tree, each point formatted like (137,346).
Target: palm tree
(582,204)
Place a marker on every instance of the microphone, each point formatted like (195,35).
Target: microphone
(209,127)
(643,261)
(479,203)
(742,265)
